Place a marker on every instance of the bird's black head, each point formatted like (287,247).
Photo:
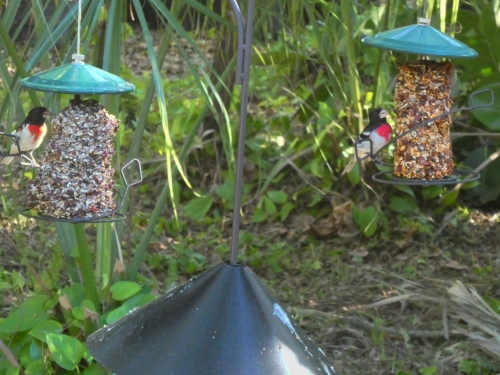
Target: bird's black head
(37,116)
(378,114)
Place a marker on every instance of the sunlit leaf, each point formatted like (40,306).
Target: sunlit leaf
(197,208)
(28,315)
(127,307)
(259,215)
(38,367)
(47,326)
(124,289)
(65,350)
(269,206)
(277,196)
(432,191)
(367,220)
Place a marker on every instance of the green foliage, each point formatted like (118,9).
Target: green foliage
(52,327)
(198,207)
(123,290)
(366,220)
(402,205)
(478,366)
(31,312)
(378,335)
(273,205)
(489,186)
(65,350)
(432,370)
(489,116)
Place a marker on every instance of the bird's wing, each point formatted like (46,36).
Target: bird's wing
(372,125)
(19,128)
(365,134)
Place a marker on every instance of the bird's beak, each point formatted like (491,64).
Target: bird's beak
(383,113)
(47,114)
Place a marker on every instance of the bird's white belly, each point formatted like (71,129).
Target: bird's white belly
(363,149)
(27,141)
(378,142)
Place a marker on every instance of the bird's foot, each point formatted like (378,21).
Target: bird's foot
(32,164)
(31,161)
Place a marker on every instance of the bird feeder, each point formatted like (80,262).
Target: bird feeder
(423,105)
(75,180)
(225,321)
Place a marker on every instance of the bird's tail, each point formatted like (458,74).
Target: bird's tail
(7,160)
(350,165)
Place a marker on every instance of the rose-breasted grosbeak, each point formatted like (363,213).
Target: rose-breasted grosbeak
(29,134)
(378,131)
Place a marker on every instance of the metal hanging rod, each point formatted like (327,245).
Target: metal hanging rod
(245,33)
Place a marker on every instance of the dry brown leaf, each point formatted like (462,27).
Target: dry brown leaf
(348,234)
(323,228)
(483,322)
(339,222)
(361,252)
(389,300)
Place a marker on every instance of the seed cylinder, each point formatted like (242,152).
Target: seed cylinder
(423,91)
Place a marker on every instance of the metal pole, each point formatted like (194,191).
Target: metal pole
(245,33)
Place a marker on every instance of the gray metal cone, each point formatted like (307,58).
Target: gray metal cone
(224,322)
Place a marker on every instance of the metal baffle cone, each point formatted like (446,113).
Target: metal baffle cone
(420,39)
(224,322)
(77,78)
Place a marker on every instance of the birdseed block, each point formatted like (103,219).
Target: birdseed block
(75,179)
(423,92)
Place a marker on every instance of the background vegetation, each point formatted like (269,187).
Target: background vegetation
(312,85)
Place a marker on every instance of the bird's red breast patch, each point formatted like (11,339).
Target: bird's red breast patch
(36,131)
(385,131)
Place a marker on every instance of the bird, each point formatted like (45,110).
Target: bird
(378,131)
(29,135)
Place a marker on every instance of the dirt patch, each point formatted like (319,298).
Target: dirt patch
(389,311)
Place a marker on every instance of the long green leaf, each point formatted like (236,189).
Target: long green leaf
(135,145)
(103,254)
(353,76)
(66,237)
(9,45)
(86,268)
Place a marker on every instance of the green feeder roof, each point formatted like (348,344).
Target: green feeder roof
(77,78)
(421,39)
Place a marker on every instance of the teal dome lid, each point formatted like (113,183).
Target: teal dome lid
(77,78)
(420,39)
